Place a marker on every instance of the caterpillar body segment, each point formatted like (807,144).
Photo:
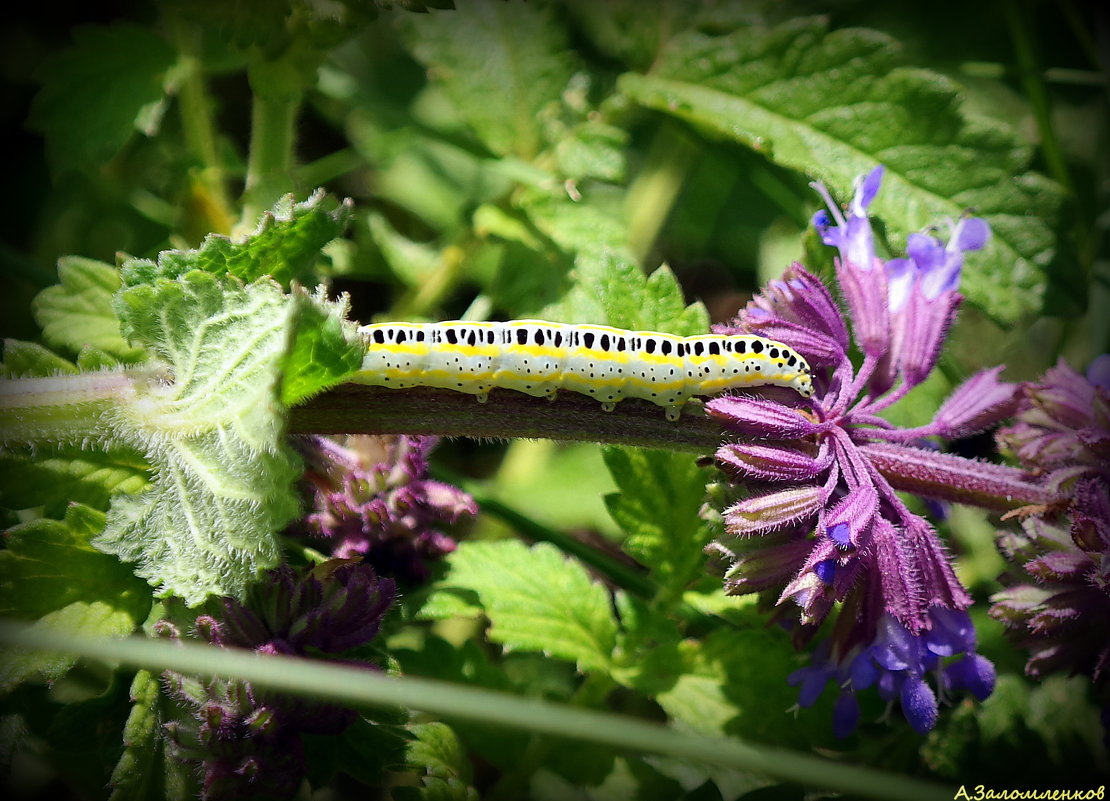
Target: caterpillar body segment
(609,364)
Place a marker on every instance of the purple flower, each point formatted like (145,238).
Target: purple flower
(821,525)
(1062,617)
(899,664)
(373,499)
(246,740)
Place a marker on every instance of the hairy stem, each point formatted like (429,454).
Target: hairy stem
(952,478)
(62,409)
(353,408)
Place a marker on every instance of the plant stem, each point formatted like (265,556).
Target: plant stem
(354,408)
(652,195)
(329,167)
(277,98)
(68,408)
(358,409)
(200,134)
(357,687)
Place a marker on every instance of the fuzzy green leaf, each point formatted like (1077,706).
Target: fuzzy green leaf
(326,348)
(26,359)
(77,313)
(660,496)
(284,246)
(836,105)
(537,600)
(99,91)
(593,149)
(438,751)
(135,771)
(499,63)
(213,436)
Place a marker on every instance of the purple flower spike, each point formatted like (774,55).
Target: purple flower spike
(1063,617)
(761,418)
(863,285)
(248,741)
(373,499)
(973,673)
(979,403)
(772,510)
(771,463)
(1098,372)
(919,704)
(827,530)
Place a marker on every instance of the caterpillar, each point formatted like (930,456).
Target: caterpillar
(610,364)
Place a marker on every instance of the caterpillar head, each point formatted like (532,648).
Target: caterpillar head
(803,384)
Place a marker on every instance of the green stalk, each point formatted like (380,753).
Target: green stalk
(63,409)
(652,195)
(199,132)
(361,688)
(277,88)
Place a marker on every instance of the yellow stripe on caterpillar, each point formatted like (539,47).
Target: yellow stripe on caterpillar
(609,364)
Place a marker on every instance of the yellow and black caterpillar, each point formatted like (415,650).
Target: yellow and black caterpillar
(609,364)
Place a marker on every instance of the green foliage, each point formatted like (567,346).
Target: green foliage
(836,104)
(28,359)
(500,64)
(660,496)
(213,436)
(50,573)
(88,477)
(284,246)
(639,164)
(135,774)
(109,83)
(537,600)
(77,314)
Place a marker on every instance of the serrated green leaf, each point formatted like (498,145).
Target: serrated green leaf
(98,92)
(499,63)
(436,789)
(735,685)
(633,31)
(591,226)
(86,618)
(48,565)
(660,496)
(77,313)
(538,600)
(593,149)
(87,477)
(836,105)
(650,655)
(134,776)
(284,246)
(213,436)
(438,751)
(326,347)
(27,359)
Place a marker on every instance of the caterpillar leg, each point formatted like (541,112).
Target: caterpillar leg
(482,397)
(609,405)
(674,412)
